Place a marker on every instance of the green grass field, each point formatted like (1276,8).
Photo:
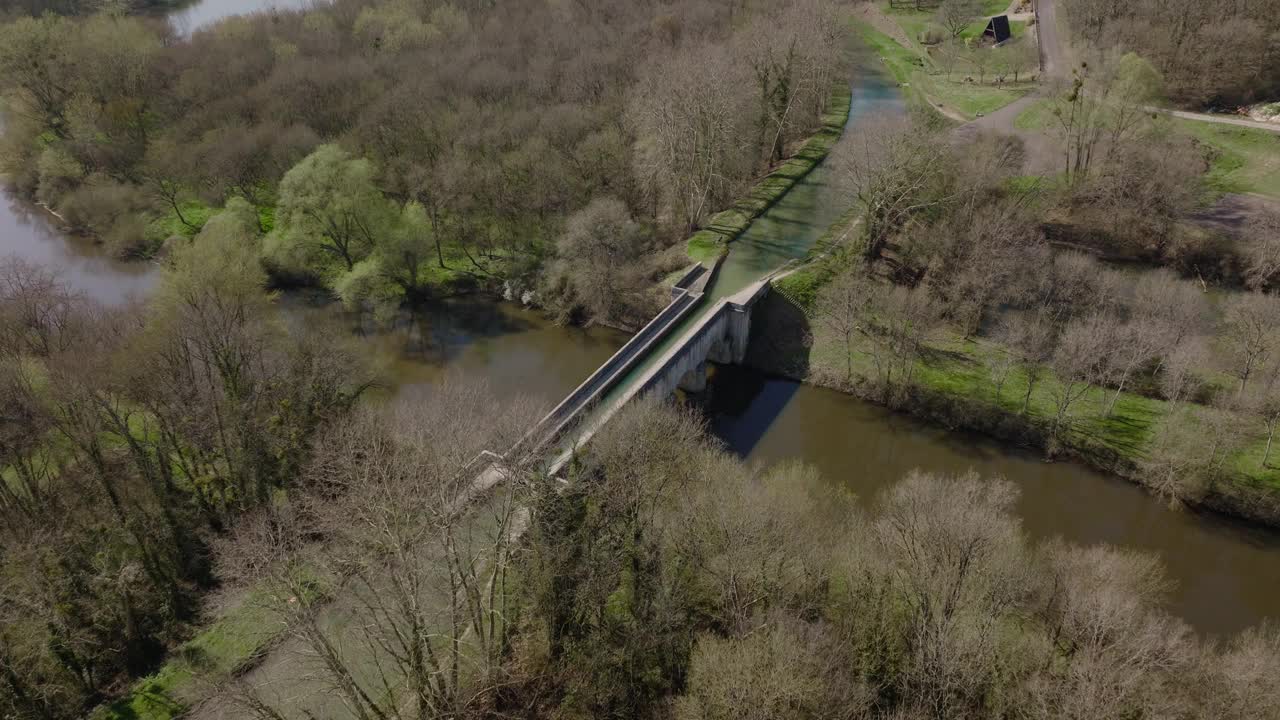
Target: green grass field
(924,83)
(1247,159)
(1038,116)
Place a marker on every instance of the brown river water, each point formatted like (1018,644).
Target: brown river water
(1226,575)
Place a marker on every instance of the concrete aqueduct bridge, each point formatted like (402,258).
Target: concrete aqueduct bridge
(677,358)
(671,351)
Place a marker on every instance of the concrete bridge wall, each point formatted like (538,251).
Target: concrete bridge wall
(686,295)
(720,335)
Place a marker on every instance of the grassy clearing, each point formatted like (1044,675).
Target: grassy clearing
(924,85)
(1037,116)
(706,245)
(972,100)
(916,23)
(1245,159)
(162,227)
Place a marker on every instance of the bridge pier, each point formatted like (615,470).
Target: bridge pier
(695,380)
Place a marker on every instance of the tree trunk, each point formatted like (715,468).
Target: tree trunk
(1026,399)
(1271,433)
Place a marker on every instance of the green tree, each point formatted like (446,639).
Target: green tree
(330,215)
(404,250)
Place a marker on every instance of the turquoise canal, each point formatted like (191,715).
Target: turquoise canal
(1226,577)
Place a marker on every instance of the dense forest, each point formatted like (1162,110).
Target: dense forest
(178,465)
(384,150)
(19,8)
(130,439)
(1221,53)
(396,148)
(666,579)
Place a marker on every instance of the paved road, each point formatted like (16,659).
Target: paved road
(1047,36)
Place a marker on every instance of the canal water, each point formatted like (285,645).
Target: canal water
(1226,577)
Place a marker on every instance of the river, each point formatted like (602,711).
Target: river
(1227,577)
(203,13)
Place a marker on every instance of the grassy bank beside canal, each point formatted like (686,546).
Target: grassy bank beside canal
(238,638)
(969,383)
(723,228)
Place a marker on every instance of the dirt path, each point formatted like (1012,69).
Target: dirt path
(1221,120)
(1041,149)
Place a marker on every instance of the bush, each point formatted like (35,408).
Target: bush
(98,207)
(931,36)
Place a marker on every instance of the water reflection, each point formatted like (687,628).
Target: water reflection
(31,233)
(1227,574)
(516,350)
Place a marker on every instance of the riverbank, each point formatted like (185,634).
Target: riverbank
(1220,571)
(955,387)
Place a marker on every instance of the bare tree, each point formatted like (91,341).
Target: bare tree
(896,172)
(789,668)
(600,254)
(1179,458)
(1235,676)
(1127,346)
(762,545)
(982,253)
(898,323)
(1249,328)
(420,528)
(1176,308)
(1104,106)
(792,52)
(687,112)
(1178,368)
(1265,406)
(1078,364)
(1111,646)
(953,556)
(1262,249)
(1030,338)
(841,309)
(955,15)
